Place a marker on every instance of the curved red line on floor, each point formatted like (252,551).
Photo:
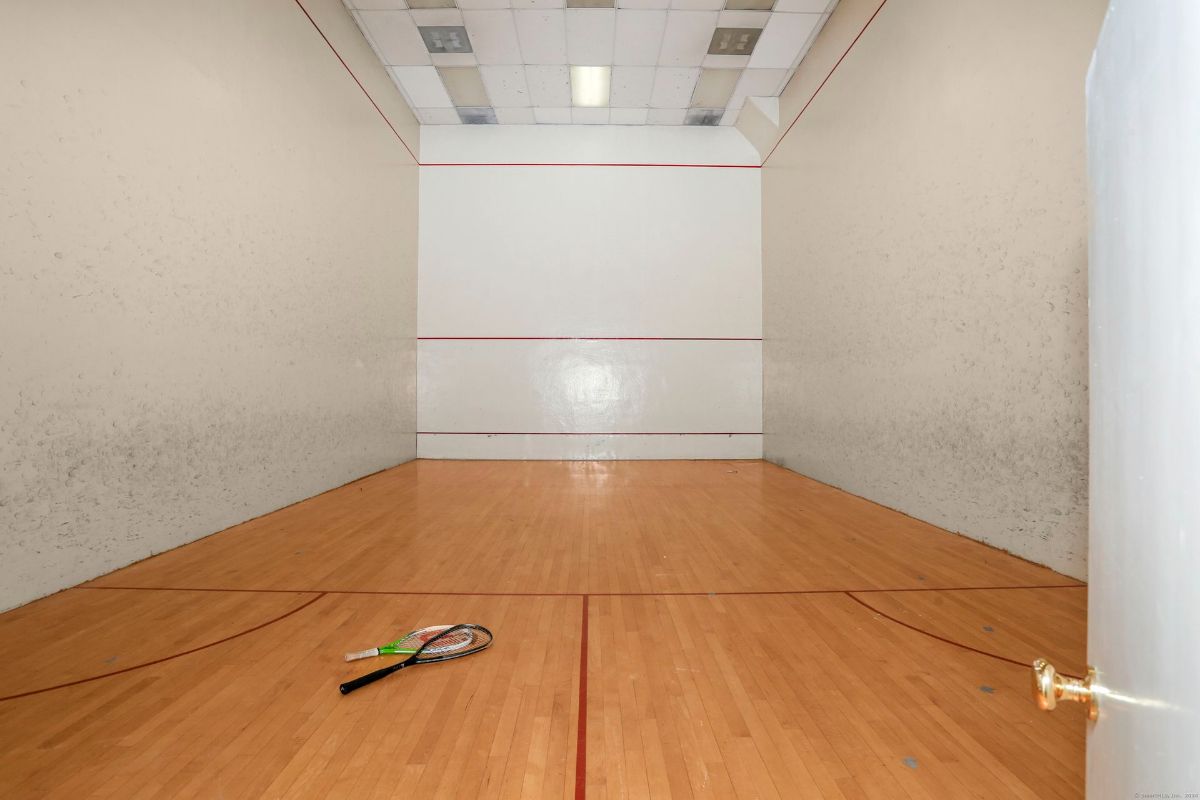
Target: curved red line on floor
(258,627)
(931,635)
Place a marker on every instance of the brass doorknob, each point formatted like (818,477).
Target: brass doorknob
(1049,687)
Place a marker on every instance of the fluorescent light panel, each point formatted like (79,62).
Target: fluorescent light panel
(590,86)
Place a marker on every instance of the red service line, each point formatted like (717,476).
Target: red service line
(589,338)
(585,164)
(594,433)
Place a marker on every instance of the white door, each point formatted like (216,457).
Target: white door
(1143,99)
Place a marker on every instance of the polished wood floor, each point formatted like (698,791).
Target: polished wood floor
(663,629)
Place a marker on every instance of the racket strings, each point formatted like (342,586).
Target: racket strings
(477,638)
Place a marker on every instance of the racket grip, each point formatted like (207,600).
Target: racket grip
(374,651)
(370,677)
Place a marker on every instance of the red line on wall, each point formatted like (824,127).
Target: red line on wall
(837,64)
(592,433)
(589,338)
(356,80)
(581,733)
(588,164)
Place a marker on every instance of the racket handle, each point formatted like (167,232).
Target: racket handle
(374,651)
(370,677)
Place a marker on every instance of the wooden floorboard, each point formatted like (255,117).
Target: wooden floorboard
(750,633)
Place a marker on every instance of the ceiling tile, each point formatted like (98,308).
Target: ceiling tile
(643,4)
(589,116)
(725,62)
(686,38)
(493,36)
(440,17)
(811,6)
(731,116)
(666,116)
(673,87)
(590,36)
(549,86)
(758,5)
(698,5)
(756,83)
(627,116)
(714,87)
(591,4)
(704,116)
(515,116)
(783,40)
(537,3)
(394,37)
(632,86)
(506,86)
(464,85)
(453,59)
(742,19)
(639,37)
(438,116)
(552,116)
(376,5)
(543,36)
(431,3)
(422,86)
(473,5)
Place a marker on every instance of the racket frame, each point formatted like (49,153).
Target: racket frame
(415,658)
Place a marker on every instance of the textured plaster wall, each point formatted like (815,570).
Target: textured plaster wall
(925,273)
(207,278)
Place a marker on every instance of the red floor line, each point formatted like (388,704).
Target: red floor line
(418,593)
(931,635)
(258,627)
(837,64)
(589,338)
(581,733)
(356,80)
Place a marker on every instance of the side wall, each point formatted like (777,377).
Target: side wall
(589,311)
(207,276)
(925,272)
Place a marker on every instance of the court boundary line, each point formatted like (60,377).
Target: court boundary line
(943,639)
(718,593)
(825,80)
(582,713)
(172,657)
(370,99)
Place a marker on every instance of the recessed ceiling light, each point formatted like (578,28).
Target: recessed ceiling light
(431,4)
(445,38)
(592,3)
(590,86)
(732,41)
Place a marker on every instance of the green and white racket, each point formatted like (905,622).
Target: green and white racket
(411,642)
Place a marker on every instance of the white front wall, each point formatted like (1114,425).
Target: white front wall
(568,311)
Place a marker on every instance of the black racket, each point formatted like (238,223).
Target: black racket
(429,652)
